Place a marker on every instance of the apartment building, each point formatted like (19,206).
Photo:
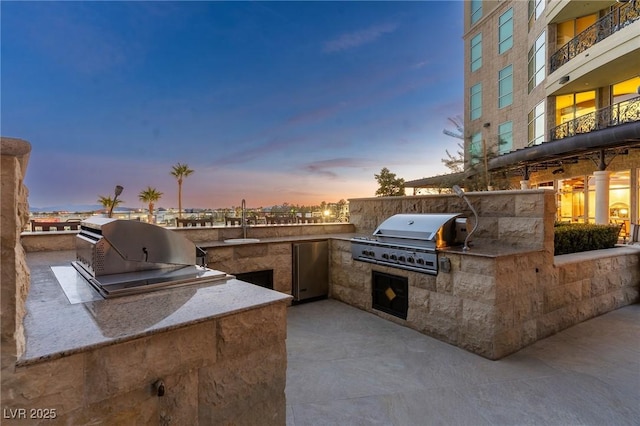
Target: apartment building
(552,99)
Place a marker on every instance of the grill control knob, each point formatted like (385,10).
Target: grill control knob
(410,259)
(420,261)
(394,257)
(402,259)
(385,256)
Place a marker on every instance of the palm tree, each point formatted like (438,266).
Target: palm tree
(180,171)
(109,203)
(150,195)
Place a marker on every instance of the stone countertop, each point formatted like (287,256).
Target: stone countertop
(282,239)
(489,250)
(54,327)
(482,249)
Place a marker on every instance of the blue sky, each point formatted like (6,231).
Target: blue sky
(297,102)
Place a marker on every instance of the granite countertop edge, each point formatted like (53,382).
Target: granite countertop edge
(55,328)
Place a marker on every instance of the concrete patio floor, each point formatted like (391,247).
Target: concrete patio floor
(350,367)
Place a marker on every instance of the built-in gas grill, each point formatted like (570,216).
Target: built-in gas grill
(120,257)
(411,241)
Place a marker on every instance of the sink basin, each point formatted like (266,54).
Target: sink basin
(241,240)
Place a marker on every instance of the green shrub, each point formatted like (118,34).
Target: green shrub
(576,237)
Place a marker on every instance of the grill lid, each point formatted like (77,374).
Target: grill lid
(418,229)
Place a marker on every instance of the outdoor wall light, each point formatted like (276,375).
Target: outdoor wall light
(460,193)
(564,79)
(556,171)
(485,125)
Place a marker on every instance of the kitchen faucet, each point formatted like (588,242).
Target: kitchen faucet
(244,219)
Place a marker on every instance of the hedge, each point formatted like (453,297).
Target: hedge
(577,237)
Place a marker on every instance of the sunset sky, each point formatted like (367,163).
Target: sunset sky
(274,102)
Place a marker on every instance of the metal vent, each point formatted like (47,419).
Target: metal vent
(98,264)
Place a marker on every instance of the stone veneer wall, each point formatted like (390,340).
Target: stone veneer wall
(236,259)
(228,370)
(231,370)
(494,305)
(518,219)
(14,274)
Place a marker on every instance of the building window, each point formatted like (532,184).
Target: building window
(574,105)
(536,7)
(536,125)
(537,55)
(505,31)
(505,87)
(475,148)
(476,11)
(505,137)
(476,52)
(567,30)
(476,101)
(571,200)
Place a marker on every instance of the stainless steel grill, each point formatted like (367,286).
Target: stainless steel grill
(121,257)
(411,241)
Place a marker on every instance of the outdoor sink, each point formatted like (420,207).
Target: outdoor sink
(241,240)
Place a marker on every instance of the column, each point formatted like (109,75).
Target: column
(602,196)
(524,184)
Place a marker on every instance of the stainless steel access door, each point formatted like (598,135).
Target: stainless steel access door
(310,270)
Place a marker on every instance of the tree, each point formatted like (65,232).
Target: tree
(109,203)
(180,171)
(455,163)
(150,195)
(389,185)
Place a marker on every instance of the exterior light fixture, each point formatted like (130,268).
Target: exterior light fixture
(485,125)
(564,79)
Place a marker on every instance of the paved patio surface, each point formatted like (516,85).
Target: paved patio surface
(350,367)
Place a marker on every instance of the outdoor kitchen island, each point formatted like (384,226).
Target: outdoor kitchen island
(203,353)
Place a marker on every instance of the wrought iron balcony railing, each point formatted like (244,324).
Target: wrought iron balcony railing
(616,20)
(614,115)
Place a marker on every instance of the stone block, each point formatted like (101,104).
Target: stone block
(423,281)
(529,332)
(58,384)
(497,205)
(521,231)
(478,265)
(599,285)
(487,229)
(522,305)
(479,317)
(444,283)
(528,206)
(603,303)
(250,385)
(418,298)
(136,364)
(507,342)
(445,306)
(140,406)
(248,331)
(557,320)
(251,251)
(283,249)
(476,287)
(479,344)
(561,296)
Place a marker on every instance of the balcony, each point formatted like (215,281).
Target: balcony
(603,28)
(614,115)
